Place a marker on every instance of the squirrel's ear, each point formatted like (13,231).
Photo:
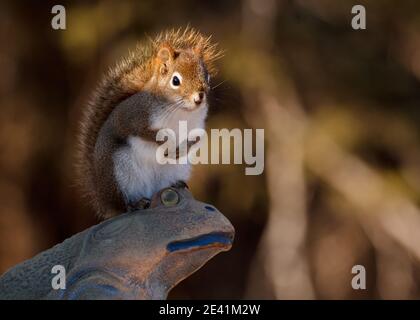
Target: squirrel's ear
(165,56)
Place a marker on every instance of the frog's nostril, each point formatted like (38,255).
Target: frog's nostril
(210,208)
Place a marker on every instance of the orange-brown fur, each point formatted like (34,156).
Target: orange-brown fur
(127,78)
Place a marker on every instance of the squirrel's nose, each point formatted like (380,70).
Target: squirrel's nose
(198,97)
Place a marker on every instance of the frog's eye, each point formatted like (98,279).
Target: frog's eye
(169,197)
(176,80)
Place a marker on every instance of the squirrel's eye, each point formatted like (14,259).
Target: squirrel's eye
(169,197)
(208,78)
(176,80)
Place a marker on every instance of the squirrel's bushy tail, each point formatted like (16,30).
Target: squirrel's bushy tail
(107,95)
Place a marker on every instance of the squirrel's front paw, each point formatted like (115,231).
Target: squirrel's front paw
(142,204)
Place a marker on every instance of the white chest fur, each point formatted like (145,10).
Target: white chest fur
(136,169)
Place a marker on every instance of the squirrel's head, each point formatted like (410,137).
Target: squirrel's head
(182,63)
(182,76)
(176,64)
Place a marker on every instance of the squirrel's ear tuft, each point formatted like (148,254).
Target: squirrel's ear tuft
(198,50)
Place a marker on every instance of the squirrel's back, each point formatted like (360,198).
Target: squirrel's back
(107,95)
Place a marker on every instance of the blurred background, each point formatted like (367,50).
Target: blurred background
(340,109)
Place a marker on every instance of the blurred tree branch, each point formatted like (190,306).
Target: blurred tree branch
(380,204)
(281,250)
(295,141)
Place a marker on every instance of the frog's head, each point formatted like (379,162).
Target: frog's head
(146,253)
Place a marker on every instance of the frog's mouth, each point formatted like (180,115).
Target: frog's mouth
(217,239)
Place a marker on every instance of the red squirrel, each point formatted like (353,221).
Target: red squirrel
(164,81)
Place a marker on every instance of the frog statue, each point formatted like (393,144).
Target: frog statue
(136,255)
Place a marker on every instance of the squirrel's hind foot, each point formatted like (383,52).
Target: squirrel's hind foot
(180,184)
(142,204)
